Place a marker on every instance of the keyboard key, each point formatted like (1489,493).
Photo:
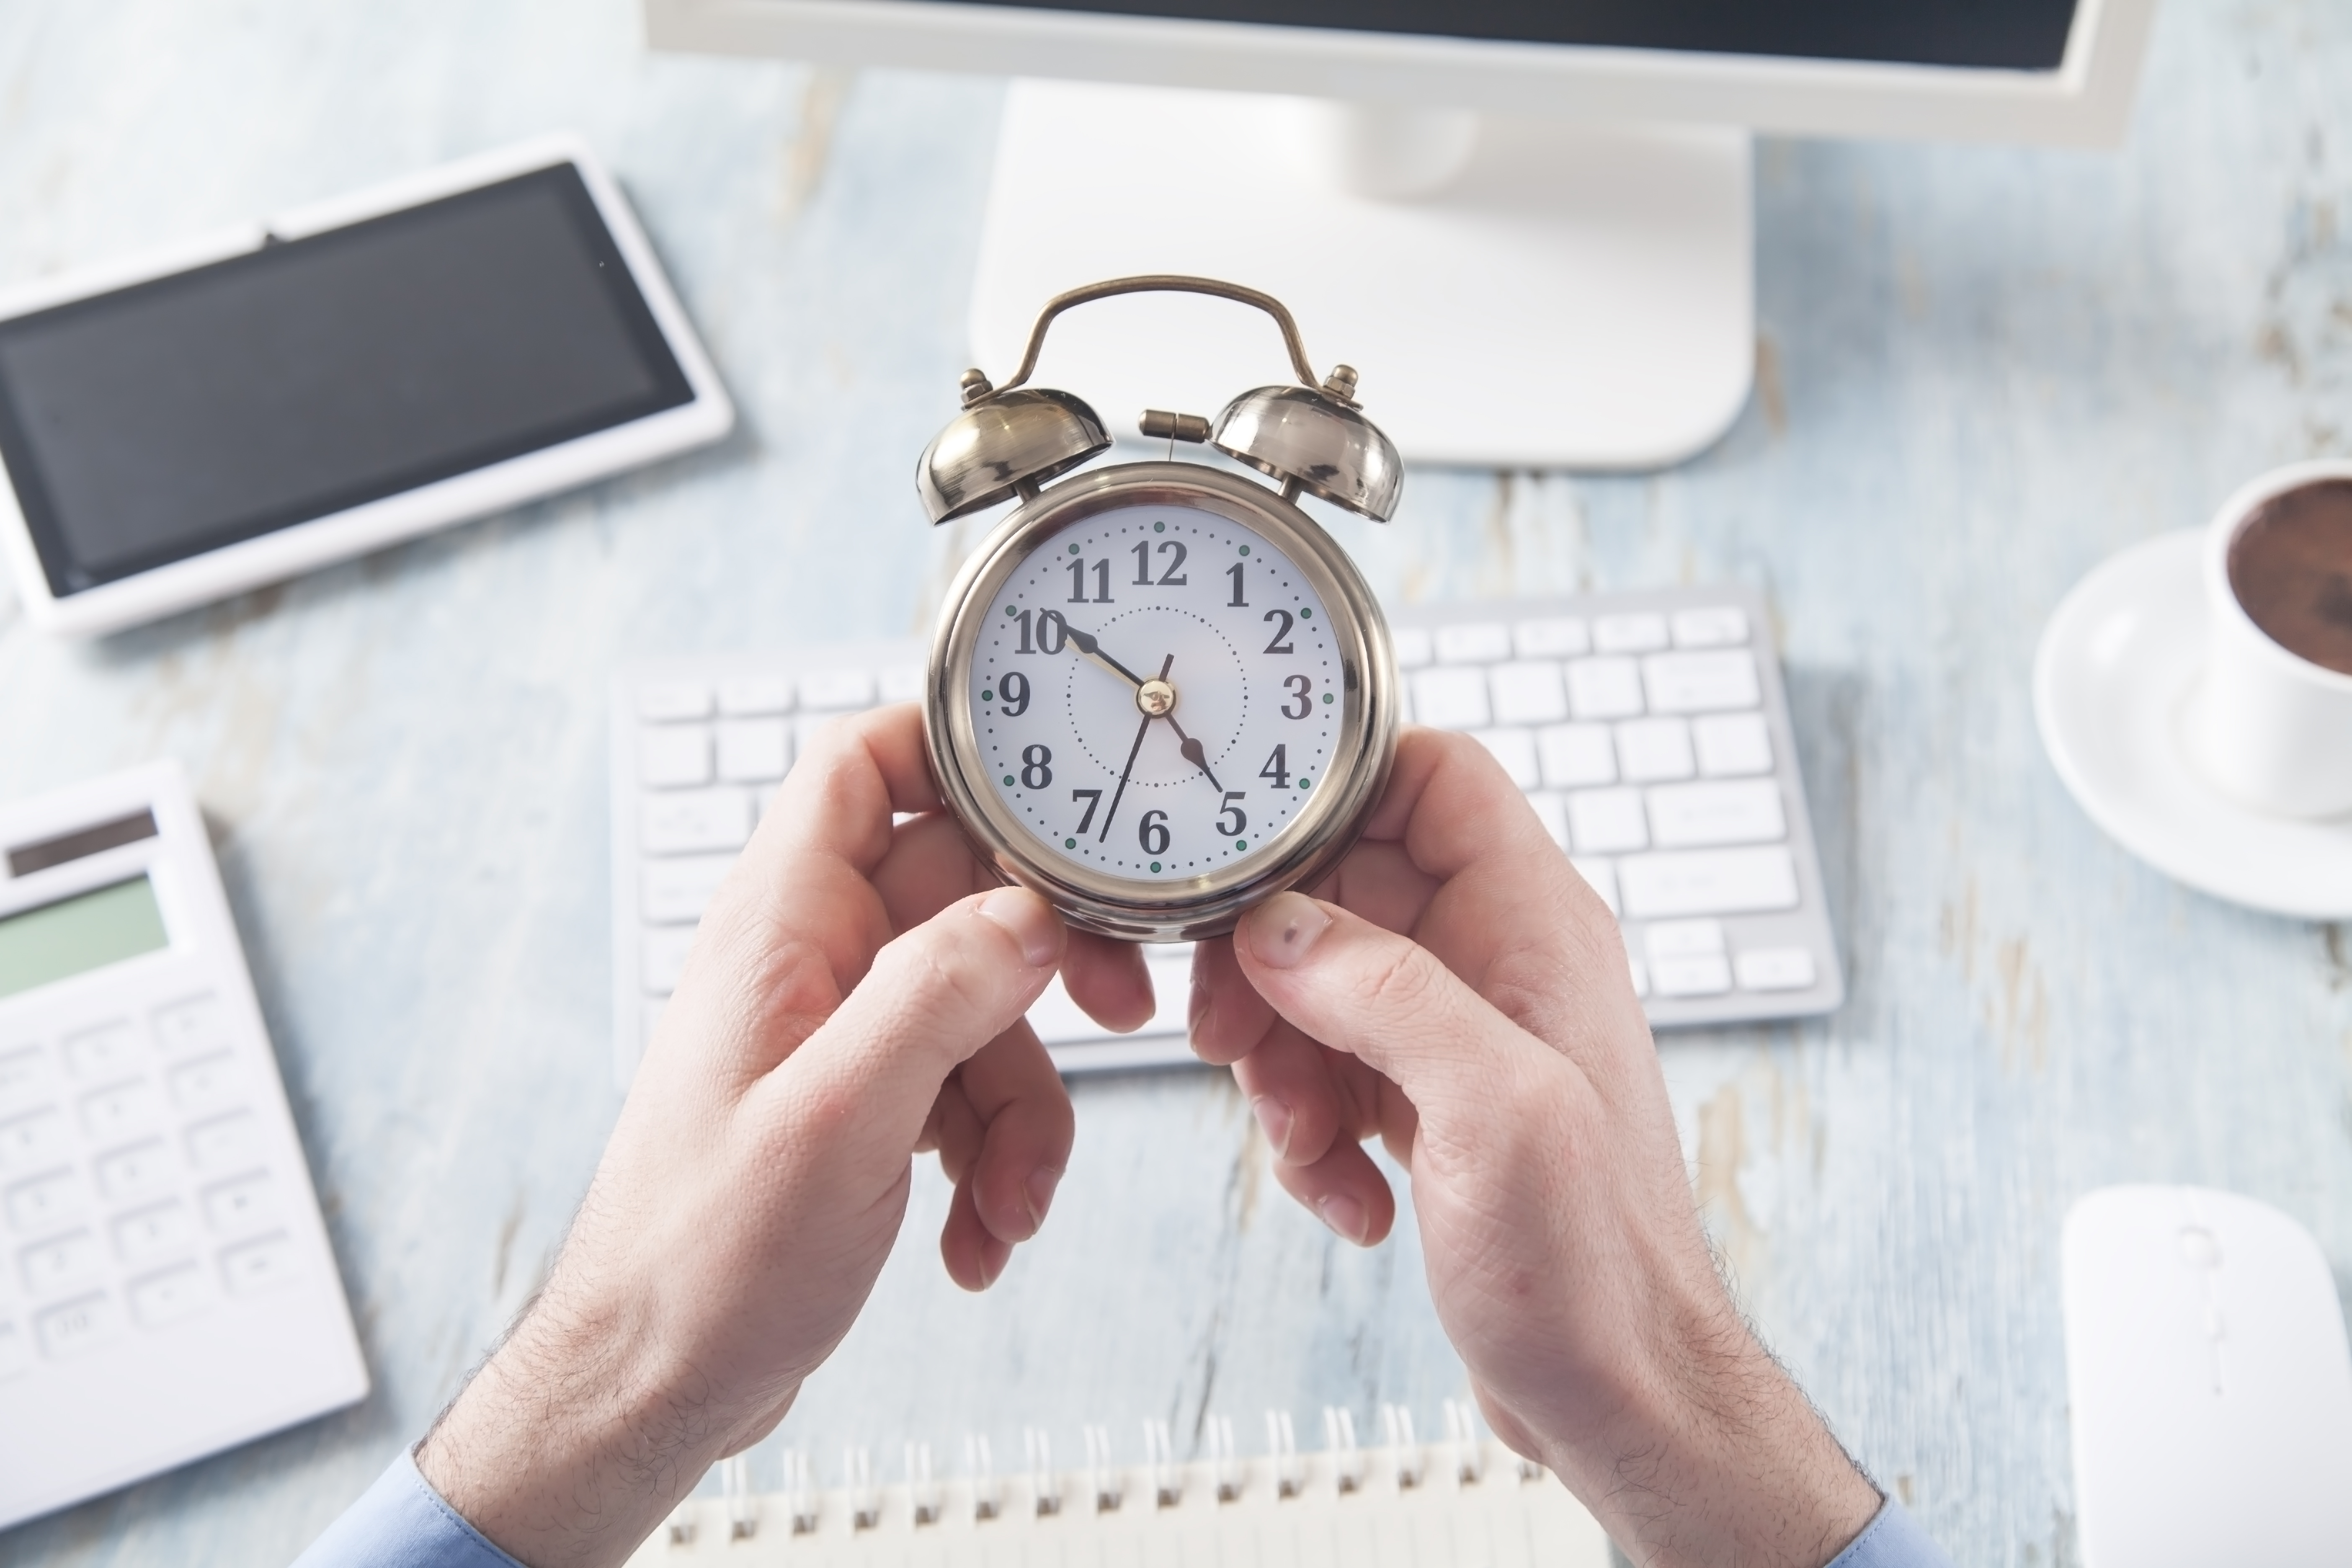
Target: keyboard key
(903,683)
(32,1139)
(1607,821)
(148,1234)
(1515,750)
(1702,682)
(749,694)
(1775,969)
(1473,642)
(168,1297)
(140,1168)
(16,1350)
(837,688)
(673,756)
(42,1201)
(24,1072)
(1638,632)
(1715,625)
(661,958)
(1453,698)
(1683,939)
(1559,637)
(224,1140)
(1650,750)
(204,1084)
(240,1205)
(1698,816)
(106,1051)
(1598,875)
(1527,694)
(61,1261)
(1732,745)
(1707,882)
(118,1109)
(78,1326)
(1604,688)
(1577,757)
(676,892)
(1553,812)
(187,1026)
(1413,647)
(1708,975)
(259,1266)
(689,821)
(662,700)
(754,751)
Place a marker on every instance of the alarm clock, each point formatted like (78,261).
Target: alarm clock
(1160,692)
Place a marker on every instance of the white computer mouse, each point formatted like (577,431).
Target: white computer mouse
(2209,1385)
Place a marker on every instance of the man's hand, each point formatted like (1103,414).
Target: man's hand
(855,995)
(1497,1046)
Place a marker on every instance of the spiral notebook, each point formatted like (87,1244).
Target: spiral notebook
(1466,1501)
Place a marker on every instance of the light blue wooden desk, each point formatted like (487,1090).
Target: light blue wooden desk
(1980,370)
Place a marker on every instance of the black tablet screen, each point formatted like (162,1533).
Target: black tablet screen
(174,416)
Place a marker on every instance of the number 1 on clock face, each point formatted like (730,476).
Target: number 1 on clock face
(1156,690)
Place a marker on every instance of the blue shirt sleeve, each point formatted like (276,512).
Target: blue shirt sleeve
(1892,1540)
(401,1522)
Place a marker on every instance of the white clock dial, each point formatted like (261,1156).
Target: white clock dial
(1117,617)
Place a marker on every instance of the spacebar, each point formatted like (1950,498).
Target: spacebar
(1059,1022)
(1707,882)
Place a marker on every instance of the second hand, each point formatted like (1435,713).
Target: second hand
(1140,730)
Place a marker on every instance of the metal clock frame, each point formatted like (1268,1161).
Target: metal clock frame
(1306,847)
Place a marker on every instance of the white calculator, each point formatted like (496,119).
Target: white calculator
(166,1289)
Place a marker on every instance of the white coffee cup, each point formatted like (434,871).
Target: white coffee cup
(2264,725)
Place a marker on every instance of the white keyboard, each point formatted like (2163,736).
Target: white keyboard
(166,1288)
(1648,731)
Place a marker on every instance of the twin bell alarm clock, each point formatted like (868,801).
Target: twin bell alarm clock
(1159,692)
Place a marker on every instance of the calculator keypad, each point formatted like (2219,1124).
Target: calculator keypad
(135,1181)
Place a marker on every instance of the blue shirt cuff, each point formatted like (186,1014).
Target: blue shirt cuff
(401,1522)
(1892,1540)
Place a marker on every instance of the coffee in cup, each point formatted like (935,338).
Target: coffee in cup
(2271,721)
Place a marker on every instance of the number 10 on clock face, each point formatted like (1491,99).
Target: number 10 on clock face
(1157,692)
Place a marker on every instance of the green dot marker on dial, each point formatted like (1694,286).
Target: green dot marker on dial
(1074,549)
(1327,697)
(1008,781)
(1305,614)
(1011,611)
(1245,549)
(1158,528)
(988,697)
(1240,842)
(1302,784)
(1155,865)
(1069,844)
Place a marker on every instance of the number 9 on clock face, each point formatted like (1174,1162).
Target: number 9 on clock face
(1161,710)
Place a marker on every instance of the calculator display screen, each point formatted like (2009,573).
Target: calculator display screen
(171,417)
(78,934)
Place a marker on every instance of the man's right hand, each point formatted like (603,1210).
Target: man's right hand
(1456,989)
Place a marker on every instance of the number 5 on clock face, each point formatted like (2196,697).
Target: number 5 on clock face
(1157,691)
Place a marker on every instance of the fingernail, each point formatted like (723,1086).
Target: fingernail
(1284,928)
(1042,1183)
(1196,1008)
(1344,1215)
(1274,1121)
(1029,921)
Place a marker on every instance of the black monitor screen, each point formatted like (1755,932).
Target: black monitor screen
(2010,35)
(168,418)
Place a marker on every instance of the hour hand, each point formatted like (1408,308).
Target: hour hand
(1193,753)
(1085,643)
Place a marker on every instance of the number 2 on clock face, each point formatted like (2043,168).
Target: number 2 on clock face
(1157,690)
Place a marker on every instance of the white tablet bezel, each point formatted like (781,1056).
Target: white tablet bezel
(301,547)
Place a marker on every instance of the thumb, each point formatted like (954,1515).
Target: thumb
(1386,1000)
(931,998)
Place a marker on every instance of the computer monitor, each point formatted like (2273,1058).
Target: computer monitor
(1529,224)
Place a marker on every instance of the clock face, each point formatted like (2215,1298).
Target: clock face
(1155,694)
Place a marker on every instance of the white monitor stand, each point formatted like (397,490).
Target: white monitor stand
(1530,294)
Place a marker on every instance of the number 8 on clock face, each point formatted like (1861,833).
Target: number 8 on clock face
(1160,692)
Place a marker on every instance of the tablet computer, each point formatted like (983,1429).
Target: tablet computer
(264,401)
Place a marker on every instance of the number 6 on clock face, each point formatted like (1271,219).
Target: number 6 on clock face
(1150,699)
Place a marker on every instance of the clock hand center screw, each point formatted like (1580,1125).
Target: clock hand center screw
(1155,697)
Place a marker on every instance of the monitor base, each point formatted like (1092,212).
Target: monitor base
(1578,296)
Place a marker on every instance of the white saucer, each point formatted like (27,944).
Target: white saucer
(2117,661)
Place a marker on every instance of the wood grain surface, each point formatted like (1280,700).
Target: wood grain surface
(1980,370)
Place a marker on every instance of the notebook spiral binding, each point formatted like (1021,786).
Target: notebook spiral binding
(1466,1501)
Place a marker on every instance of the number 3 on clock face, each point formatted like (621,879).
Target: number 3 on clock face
(1164,702)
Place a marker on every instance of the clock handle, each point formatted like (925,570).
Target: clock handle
(1166,283)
